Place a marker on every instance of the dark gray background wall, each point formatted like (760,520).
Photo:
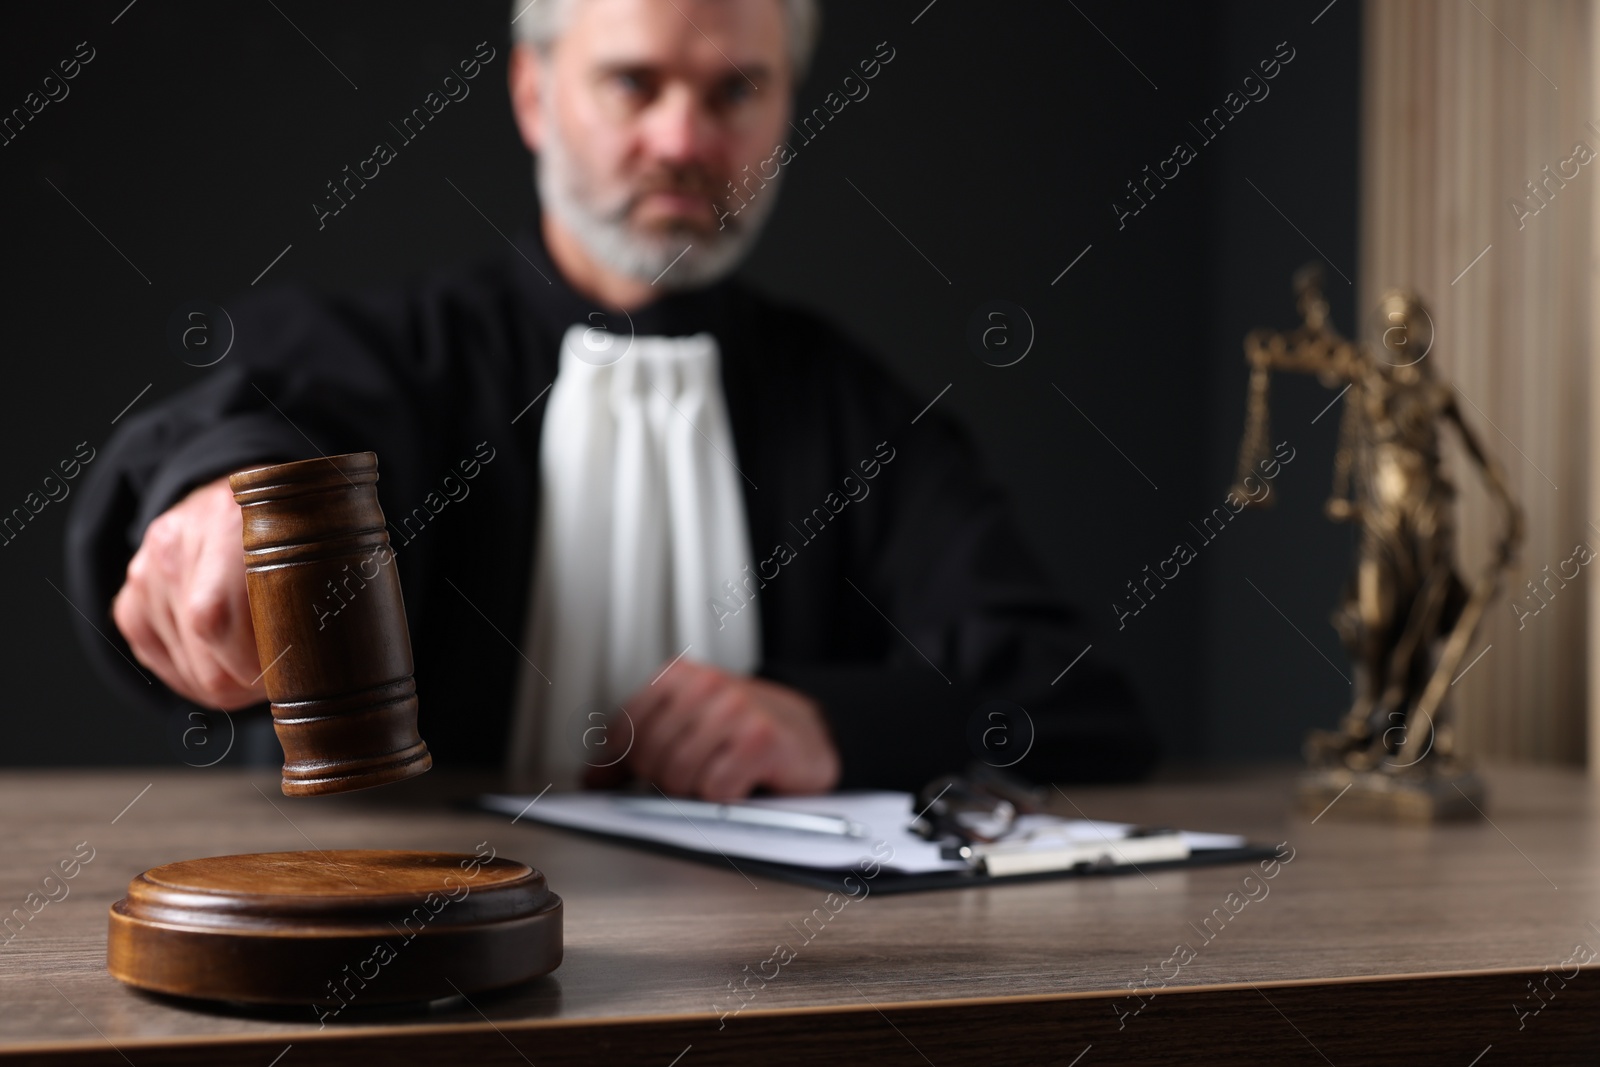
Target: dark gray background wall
(995,143)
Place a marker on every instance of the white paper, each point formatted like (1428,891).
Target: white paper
(886,817)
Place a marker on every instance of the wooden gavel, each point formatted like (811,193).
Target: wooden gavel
(301,927)
(344,704)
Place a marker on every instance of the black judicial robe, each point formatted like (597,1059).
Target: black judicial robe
(902,611)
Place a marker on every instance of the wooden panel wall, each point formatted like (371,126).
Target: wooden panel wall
(1466,103)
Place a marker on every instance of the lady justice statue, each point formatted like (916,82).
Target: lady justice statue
(1407,618)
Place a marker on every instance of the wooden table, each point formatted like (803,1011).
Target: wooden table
(1373,944)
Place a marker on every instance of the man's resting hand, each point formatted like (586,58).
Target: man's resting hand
(183,606)
(701,731)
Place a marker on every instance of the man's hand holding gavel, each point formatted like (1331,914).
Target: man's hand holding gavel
(698,730)
(183,606)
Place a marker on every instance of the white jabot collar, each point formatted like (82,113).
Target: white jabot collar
(641,524)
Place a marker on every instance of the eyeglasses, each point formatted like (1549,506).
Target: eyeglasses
(980,806)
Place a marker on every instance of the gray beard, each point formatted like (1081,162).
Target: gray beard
(606,234)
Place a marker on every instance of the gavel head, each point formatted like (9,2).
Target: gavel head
(330,624)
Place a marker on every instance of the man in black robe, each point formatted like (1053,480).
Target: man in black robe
(904,629)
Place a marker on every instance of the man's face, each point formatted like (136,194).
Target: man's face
(646,110)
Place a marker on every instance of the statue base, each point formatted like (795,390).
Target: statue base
(1444,795)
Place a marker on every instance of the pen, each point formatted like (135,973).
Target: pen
(745,814)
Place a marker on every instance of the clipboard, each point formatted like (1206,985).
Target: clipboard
(899,861)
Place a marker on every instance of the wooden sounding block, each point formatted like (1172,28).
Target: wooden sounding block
(330,624)
(334,929)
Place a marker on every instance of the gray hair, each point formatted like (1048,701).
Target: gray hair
(538,23)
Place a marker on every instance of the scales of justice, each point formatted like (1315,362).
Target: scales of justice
(1406,618)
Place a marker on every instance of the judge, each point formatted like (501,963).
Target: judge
(622,487)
